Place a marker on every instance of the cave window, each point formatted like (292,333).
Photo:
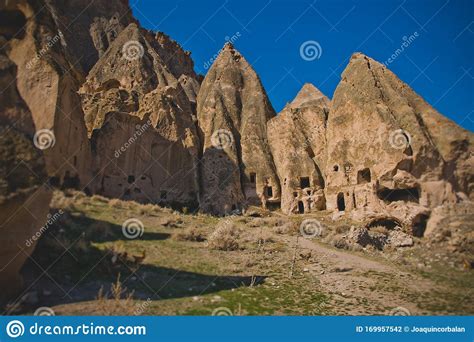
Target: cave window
(304,182)
(12,24)
(341,205)
(269,191)
(406,195)
(419,225)
(131,179)
(335,168)
(163,194)
(143,177)
(75,160)
(300,207)
(295,194)
(253,177)
(363,176)
(137,190)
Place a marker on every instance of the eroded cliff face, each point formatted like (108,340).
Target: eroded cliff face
(24,197)
(237,167)
(128,118)
(388,150)
(47,82)
(297,138)
(89,27)
(140,115)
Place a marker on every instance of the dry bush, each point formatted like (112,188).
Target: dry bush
(118,302)
(256,222)
(286,228)
(342,229)
(116,203)
(224,237)
(60,201)
(98,198)
(189,234)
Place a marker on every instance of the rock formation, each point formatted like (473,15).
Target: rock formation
(24,198)
(388,150)
(139,105)
(297,137)
(125,115)
(233,109)
(47,82)
(88,27)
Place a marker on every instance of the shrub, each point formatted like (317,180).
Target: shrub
(225,237)
(189,234)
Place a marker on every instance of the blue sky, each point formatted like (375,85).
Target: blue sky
(269,33)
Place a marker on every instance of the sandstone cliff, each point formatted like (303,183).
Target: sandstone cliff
(140,118)
(297,137)
(24,197)
(89,27)
(47,81)
(233,109)
(387,147)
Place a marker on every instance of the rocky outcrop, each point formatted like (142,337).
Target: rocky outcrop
(24,198)
(89,27)
(297,137)
(47,82)
(233,109)
(140,119)
(387,147)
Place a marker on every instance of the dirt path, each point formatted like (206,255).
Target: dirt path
(360,285)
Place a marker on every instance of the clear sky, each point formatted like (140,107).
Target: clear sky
(436,61)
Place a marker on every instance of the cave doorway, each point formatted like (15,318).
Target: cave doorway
(300,207)
(341,204)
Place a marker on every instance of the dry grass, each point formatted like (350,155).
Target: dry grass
(286,228)
(224,237)
(189,234)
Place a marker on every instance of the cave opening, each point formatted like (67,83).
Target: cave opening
(406,195)
(363,176)
(300,207)
(12,24)
(341,205)
(304,182)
